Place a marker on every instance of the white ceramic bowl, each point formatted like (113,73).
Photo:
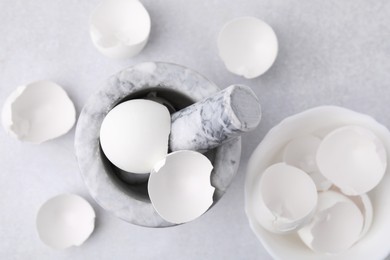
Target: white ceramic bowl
(320,120)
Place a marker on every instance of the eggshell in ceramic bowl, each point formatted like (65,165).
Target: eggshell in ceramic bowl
(319,121)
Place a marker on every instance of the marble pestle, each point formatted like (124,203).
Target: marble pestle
(215,120)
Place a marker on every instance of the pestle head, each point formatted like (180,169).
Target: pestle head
(215,120)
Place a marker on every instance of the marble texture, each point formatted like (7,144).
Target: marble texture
(102,179)
(215,120)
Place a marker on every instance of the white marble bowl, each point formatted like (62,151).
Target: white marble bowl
(172,85)
(320,121)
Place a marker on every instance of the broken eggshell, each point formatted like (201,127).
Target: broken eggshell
(248,46)
(134,135)
(286,198)
(120,28)
(336,226)
(65,220)
(322,120)
(38,112)
(179,186)
(301,153)
(353,158)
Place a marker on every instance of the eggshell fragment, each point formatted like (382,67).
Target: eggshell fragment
(179,186)
(38,112)
(120,28)
(363,202)
(353,158)
(336,226)
(248,46)
(301,153)
(65,220)
(286,198)
(134,135)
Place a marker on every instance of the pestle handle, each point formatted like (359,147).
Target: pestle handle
(215,120)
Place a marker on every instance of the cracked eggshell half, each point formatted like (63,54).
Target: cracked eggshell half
(65,220)
(38,112)
(285,198)
(120,28)
(301,153)
(319,120)
(353,158)
(134,135)
(248,46)
(336,226)
(179,186)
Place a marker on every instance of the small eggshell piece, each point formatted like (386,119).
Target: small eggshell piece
(352,158)
(336,226)
(286,198)
(134,135)
(301,153)
(179,186)
(38,112)
(248,46)
(120,28)
(65,220)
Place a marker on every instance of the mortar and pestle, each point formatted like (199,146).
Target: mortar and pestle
(204,119)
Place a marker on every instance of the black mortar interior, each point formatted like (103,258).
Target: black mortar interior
(174,101)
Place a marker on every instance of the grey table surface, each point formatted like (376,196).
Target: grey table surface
(330,52)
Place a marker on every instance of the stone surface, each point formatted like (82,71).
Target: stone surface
(215,120)
(101,177)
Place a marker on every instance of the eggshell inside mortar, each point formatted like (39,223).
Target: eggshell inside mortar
(179,186)
(319,120)
(134,135)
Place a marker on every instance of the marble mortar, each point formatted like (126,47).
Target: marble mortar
(172,85)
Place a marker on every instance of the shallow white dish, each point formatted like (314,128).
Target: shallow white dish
(319,121)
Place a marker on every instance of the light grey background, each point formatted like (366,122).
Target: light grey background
(330,52)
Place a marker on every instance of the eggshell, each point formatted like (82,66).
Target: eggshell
(65,220)
(248,46)
(285,198)
(134,135)
(336,226)
(179,186)
(353,158)
(323,119)
(120,28)
(38,112)
(301,153)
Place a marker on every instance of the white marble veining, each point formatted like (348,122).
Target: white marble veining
(215,120)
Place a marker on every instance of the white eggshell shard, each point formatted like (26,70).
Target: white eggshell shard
(248,46)
(353,158)
(363,202)
(301,153)
(120,28)
(38,112)
(179,186)
(65,220)
(134,135)
(286,198)
(336,226)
